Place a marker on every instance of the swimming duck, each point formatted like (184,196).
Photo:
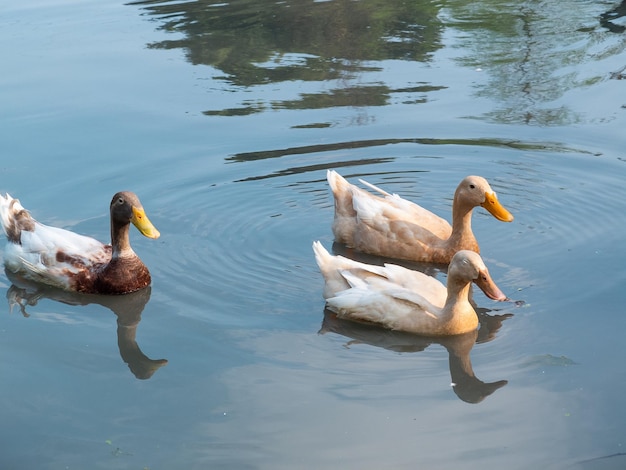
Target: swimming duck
(64,259)
(393,227)
(402,299)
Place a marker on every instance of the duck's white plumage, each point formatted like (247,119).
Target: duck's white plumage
(37,255)
(388,225)
(403,299)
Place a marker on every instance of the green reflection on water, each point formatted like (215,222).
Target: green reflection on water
(256,43)
(532,53)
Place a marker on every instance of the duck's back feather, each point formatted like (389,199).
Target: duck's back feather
(406,210)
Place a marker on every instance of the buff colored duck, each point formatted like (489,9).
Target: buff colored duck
(391,226)
(401,299)
(73,262)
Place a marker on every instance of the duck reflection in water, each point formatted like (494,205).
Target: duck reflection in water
(127,308)
(465,384)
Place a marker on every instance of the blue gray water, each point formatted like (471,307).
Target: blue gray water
(223,118)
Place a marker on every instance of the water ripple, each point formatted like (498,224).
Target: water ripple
(243,253)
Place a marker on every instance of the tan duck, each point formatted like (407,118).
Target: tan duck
(64,259)
(402,299)
(391,226)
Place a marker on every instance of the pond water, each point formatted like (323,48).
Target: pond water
(224,117)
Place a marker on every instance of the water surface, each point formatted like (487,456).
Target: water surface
(224,118)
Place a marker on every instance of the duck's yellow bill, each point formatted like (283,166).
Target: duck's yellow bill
(143,224)
(496,209)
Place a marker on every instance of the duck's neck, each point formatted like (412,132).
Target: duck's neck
(457,303)
(462,226)
(120,240)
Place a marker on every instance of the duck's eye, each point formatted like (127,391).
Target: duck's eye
(472,186)
(120,200)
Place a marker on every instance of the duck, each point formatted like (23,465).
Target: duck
(388,225)
(401,299)
(67,260)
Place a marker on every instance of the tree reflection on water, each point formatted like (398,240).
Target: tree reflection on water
(531,52)
(256,43)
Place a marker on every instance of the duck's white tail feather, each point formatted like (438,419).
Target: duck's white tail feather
(330,267)
(342,194)
(10,211)
(4,210)
(328,262)
(336,182)
(322,256)
(333,268)
(375,188)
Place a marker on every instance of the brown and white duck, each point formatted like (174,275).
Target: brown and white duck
(64,259)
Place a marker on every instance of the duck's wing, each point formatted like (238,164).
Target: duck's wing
(416,281)
(54,256)
(411,210)
(386,304)
(56,245)
(387,230)
(340,273)
(424,295)
(394,213)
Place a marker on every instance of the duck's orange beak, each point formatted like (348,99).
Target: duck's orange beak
(143,224)
(495,208)
(489,287)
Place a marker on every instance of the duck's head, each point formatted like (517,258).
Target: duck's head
(126,208)
(475,191)
(469,267)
